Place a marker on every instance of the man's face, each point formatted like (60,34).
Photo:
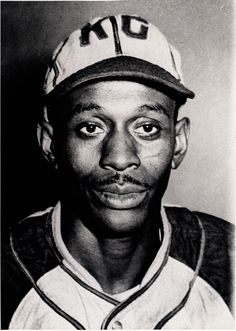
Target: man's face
(116,152)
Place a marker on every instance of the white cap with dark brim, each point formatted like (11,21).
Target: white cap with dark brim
(122,47)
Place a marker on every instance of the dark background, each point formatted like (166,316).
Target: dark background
(28,181)
(201,31)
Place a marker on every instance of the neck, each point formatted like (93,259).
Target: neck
(118,264)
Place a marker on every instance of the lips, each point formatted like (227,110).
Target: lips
(121,196)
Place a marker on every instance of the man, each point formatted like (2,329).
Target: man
(109,254)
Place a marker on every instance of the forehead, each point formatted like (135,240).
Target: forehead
(117,94)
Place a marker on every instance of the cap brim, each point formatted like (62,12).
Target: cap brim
(121,67)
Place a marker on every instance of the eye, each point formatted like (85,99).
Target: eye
(147,130)
(89,130)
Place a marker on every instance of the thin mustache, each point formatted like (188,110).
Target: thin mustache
(121,179)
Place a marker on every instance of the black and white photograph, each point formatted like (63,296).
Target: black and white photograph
(118,165)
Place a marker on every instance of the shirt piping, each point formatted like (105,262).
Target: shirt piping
(124,304)
(198,266)
(55,250)
(49,302)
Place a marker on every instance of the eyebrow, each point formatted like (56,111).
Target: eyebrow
(157,107)
(80,108)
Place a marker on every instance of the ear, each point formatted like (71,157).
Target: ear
(182,130)
(45,139)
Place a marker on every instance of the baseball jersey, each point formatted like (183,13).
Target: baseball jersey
(187,286)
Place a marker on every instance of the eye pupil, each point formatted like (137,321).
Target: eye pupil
(90,128)
(147,127)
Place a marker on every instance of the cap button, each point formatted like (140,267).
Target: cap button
(117,325)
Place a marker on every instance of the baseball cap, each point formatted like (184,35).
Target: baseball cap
(122,46)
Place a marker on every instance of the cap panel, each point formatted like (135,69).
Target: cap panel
(176,62)
(74,56)
(154,48)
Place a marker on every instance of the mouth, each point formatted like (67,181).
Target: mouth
(121,197)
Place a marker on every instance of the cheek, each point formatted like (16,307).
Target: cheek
(81,157)
(157,155)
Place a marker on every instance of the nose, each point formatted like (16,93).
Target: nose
(119,153)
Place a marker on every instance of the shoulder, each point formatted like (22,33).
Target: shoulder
(25,257)
(30,243)
(215,228)
(192,224)
(193,230)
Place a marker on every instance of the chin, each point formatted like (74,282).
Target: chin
(119,223)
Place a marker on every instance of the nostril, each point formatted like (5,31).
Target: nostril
(119,152)
(119,168)
(119,159)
